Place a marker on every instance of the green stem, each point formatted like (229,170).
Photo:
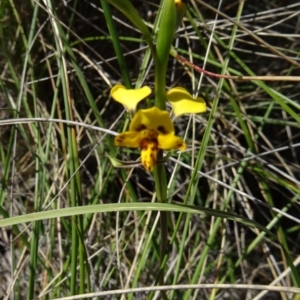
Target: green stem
(167,27)
(165,38)
(161,193)
(160,84)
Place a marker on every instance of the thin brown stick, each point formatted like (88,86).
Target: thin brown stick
(236,77)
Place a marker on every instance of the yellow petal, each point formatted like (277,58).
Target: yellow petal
(153,119)
(170,141)
(129,139)
(129,98)
(183,102)
(149,155)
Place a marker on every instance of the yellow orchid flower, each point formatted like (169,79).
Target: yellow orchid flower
(182,102)
(150,130)
(180,99)
(129,98)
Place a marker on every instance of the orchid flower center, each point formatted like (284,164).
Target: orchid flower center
(149,149)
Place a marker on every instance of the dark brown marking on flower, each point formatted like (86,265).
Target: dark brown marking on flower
(161,129)
(154,147)
(141,127)
(180,146)
(144,144)
(120,138)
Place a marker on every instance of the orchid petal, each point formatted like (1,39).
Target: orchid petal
(170,141)
(149,155)
(183,103)
(153,119)
(129,139)
(129,98)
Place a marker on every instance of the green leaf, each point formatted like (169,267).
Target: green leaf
(117,163)
(139,206)
(131,13)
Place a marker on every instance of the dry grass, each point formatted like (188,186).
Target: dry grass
(58,62)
